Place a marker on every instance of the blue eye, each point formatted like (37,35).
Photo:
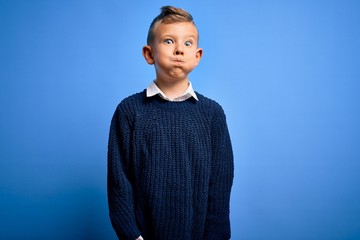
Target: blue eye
(168,41)
(188,43)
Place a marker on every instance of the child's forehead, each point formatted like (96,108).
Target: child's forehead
(188,28)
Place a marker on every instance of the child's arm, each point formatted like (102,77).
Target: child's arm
(120,192)
(222,172)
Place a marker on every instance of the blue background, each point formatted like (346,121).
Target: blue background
(286,73)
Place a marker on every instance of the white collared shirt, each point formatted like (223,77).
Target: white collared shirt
(153,90)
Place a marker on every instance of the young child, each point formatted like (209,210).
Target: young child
(170,160)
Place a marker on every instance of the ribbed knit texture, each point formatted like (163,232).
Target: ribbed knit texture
(170,169)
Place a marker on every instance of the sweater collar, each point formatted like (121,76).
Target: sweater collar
(153,90)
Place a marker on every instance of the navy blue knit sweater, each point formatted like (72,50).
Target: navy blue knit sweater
(170,169)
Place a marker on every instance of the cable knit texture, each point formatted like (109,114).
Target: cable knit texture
(170,169)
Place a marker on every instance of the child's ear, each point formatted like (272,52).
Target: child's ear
(146,51)
(198,55)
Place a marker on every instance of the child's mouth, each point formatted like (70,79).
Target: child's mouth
(178,60)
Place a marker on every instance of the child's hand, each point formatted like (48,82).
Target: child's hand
(140,238)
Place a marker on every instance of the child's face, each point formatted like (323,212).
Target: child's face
(174,51)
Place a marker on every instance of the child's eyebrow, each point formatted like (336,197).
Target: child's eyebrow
(190,36)
(172,36)
(167,35)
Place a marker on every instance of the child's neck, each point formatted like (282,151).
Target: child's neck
(173,89)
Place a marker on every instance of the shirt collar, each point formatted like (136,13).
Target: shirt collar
(153,90)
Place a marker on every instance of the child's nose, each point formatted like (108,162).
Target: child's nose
(179,50)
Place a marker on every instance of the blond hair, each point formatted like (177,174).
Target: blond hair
(168,14)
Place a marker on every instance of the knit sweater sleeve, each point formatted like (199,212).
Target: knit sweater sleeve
(120,192)
(221,179)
